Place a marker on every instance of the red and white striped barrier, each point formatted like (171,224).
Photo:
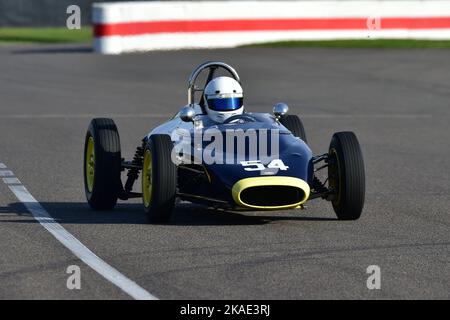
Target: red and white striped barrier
(138,26)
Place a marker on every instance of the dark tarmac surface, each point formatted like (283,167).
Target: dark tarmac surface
(396,101)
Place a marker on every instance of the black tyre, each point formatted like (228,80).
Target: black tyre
(346,175)
(293,123)
(102,164)
(159,179)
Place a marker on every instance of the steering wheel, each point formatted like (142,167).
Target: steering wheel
(243,117)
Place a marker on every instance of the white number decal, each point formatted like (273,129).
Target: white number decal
(256,165)
(277,164)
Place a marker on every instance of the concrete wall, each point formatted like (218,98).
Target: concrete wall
(124,26)
(42,13)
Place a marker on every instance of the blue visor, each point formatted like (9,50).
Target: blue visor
(225,104)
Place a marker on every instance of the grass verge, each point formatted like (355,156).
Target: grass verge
(45,35)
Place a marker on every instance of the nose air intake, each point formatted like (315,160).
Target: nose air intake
(268,193)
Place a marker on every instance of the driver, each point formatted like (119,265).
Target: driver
(223,99)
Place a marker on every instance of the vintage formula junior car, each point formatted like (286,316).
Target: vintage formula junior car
(182,159)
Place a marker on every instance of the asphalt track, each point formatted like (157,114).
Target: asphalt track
(397,102)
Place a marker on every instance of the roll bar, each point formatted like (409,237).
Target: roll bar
(212,66)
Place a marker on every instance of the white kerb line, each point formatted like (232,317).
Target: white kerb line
(69,241)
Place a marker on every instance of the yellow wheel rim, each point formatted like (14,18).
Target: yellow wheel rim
(147,178)
(90,164)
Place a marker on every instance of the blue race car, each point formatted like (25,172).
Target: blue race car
(213,152)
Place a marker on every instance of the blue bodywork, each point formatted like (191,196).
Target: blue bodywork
(293,152)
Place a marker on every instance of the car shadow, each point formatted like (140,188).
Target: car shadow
(185,214)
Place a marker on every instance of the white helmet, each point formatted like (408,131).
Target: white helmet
(223,98)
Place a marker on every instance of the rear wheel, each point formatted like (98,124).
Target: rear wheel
(102,164)
(293,123)
(159,178)
(346,175)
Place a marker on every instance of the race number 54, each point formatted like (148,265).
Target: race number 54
(256,165)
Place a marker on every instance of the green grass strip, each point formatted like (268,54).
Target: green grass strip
(45,35)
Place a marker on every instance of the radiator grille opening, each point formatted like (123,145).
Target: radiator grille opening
(272,196)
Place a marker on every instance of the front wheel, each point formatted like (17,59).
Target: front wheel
(159,178)
(346,176)
(102,164)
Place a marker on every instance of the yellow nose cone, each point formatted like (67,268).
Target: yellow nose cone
(270,193)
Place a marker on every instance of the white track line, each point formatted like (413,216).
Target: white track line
(13,180)
(6,173)
(72,243)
